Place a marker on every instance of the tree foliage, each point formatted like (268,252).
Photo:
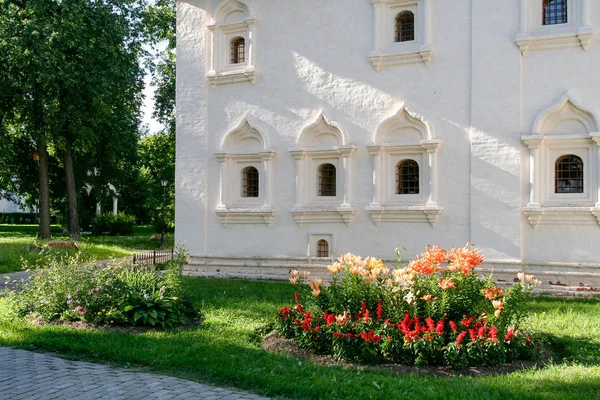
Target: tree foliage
(71,86)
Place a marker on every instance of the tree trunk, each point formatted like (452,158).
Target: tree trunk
(44,201)
(71,193)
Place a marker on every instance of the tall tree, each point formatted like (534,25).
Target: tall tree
(99,85)
(157,152)
(27,68)
(75,82)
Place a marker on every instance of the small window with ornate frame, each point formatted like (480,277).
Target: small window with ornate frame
(554,12)
(250,182)
(568,174)
(327,180)
(322,248)
(405,27)
(238,50)
(407,177)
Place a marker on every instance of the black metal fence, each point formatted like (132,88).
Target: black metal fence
(154,257)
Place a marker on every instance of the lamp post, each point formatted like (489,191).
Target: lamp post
(163,182)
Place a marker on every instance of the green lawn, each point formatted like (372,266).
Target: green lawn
(16,242)
(224,351)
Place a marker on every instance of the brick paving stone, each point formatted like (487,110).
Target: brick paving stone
(25,375)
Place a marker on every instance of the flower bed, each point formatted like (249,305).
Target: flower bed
(119,294)
(435,311)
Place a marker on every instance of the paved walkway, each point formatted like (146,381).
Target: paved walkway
(14,279)
(25,375)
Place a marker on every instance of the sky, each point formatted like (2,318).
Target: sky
(148,106)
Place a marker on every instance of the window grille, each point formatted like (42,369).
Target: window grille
(249,182)
(407,177)
(554,12)
(568,174)
(327,180)
(405,26)
(322,248)
(238,50)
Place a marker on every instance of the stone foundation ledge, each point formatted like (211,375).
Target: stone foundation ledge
(557,279)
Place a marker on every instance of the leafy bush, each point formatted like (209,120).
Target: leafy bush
(119,294)
(436,311)
(18,218)
(110,224)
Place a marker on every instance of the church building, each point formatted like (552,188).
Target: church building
(308,129)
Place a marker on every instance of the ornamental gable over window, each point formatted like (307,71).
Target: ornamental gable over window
(323,173)
(246,176)
(402,33)
(404,169)
(554,24)
(232,46)
(564,167)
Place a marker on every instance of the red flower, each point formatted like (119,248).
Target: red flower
(460,338)
(473,335)
(387,322)
(417,325)
(493,333)
(481,332)
(379,310)
(439,328)
(364,307)
(509,334)
(299,307)
(285,311)
(330,319)
(296,297)
(467,322)
(453,326)
(430,324)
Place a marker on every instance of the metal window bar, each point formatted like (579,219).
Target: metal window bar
(322,248)
(238,50)
(327,180)
(554,12)
(250,182)
(153,257)
(405,26)
(568,175)
(407,177)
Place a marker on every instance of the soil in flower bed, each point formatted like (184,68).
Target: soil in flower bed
(274,343)
(111,328)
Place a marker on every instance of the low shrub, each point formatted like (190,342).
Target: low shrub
(18,218)
(435,311)
(111,224)
(120,294)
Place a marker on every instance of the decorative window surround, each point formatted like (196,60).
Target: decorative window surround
(242,147)
(233,18)
(534,36)
(551,139)
(404,135)
(386,51)
(322,141)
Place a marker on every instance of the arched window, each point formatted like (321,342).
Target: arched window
(554,12)
(238,50)
(405,26)
(322,248)
(249,182)
(568,174)
(407,177)
(327,181)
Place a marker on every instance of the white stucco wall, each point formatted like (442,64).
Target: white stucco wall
(479,93)
(7,206)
